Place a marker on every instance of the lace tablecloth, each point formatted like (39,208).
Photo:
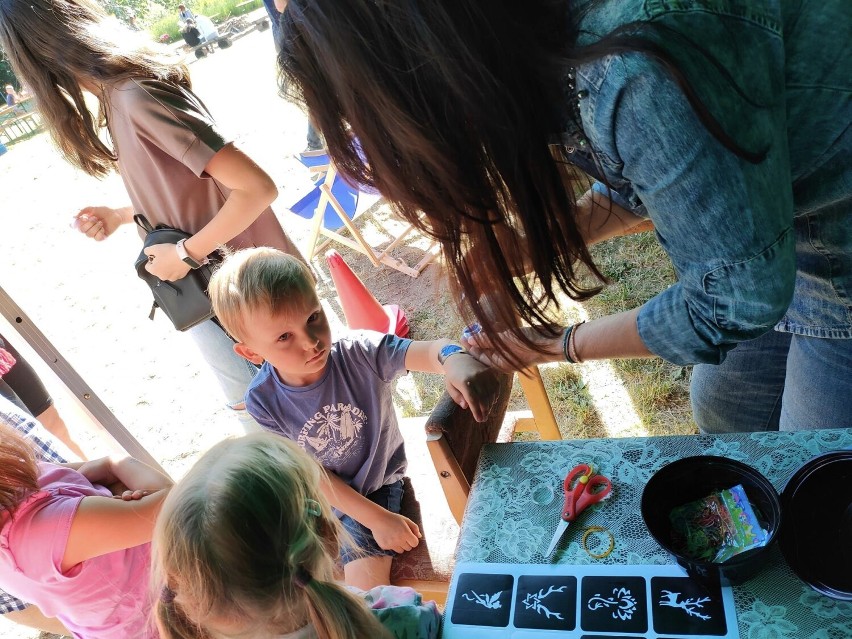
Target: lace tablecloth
(515,502)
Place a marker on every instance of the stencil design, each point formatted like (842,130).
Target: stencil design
(533,601)
(492,602)
(670,599)
(622,599)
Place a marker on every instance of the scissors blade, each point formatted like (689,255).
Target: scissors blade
(560,529)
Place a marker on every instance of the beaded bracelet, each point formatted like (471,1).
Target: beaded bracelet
(565,344)
(572,348)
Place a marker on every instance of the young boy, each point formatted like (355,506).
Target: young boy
(334,398)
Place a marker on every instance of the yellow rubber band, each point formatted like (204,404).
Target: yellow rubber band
(598,529)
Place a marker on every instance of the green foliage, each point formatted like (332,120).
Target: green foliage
(123,9)
(219,10)
(6,75)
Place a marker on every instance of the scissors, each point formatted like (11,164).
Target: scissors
(578,497)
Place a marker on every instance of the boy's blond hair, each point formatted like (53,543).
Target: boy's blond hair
(258,279)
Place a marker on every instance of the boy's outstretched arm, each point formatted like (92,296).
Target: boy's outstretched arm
(470,383)
(390,530)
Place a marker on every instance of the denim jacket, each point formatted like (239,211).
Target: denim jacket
(745,239)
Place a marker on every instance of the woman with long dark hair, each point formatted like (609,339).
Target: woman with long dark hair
(178,168)
(726,124)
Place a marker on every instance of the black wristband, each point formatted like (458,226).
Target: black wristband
(565,339)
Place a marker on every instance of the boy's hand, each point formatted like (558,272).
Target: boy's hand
(395,532)
(471,384)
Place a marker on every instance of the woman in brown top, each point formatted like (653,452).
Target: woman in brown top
(178,168)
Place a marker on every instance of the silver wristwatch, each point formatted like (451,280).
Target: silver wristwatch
(186,257)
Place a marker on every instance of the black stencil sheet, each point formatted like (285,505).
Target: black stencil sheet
(546,602)
(614,604)
(483,600)
(682,606)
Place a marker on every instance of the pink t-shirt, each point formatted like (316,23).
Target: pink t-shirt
(105,597)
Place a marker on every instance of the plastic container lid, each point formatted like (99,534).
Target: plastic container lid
(816,534)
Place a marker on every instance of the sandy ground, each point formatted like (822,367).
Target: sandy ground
(89,303)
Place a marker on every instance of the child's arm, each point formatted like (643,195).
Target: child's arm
(252,191)
(470,383)
(390,530)
(103,525)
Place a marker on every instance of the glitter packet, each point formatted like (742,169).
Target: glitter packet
(716,527)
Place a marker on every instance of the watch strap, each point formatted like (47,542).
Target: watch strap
(186,257)
(447,351)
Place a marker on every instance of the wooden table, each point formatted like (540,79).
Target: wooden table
(515,501)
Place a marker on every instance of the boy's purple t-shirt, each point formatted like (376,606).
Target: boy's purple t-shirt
(346,420)
(103,597)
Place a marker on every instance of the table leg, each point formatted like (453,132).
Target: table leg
(543,420)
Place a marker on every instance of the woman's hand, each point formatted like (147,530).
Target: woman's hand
(483,349)
(99,222)
(164,262)
(471,384)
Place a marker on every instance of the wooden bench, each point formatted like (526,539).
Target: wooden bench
(16,122)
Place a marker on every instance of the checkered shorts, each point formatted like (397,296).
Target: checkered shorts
(42,442)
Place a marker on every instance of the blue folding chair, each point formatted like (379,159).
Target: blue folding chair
(332,205)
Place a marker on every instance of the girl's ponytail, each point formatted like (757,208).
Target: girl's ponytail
(172,622)
(336,613)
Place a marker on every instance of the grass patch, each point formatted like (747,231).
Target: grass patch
(637,268)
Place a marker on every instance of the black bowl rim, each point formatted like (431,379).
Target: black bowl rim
(736,559)
(785,538)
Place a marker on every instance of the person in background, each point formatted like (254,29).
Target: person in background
(184,14)
(726,125)
(334,398)
(11,95)
(12,99)
(23,387)
(245,546)
(192,36)
(178,167)
(275,8)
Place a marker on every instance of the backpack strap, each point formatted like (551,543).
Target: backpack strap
(143,222)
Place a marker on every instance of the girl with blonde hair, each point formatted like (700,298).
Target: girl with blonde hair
(72,549)
(178,168)
(245,547)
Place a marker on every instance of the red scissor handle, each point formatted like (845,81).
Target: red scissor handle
(588,489)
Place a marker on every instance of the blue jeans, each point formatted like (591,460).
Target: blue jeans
(275,20)
(233,372)
(779,381)
(388,497)
(313,138)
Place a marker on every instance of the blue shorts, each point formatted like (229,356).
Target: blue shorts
(388,497)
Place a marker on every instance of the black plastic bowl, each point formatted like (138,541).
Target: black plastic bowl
(816,539)
(693,478)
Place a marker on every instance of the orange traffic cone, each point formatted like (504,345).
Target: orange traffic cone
(360,308)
